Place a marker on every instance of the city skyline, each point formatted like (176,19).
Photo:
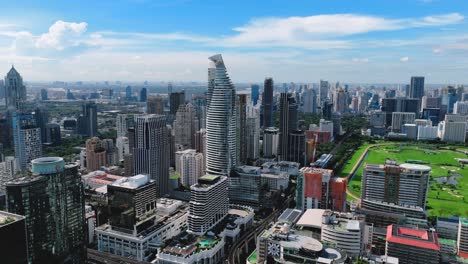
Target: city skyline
(366,42)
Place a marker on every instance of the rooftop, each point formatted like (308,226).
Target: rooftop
(413,237)
(132,182)
(311,218)
(7,218)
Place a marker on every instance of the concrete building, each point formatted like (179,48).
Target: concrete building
(287,122)
(123,148)
(122,124)
(427,132)
(221,130)
(462,240)
(393,185)
(209,203)
(318,189)
(309,101)
(452,131)
(52,200)
(175,100)
(412,245)
(343,233)
(460,108)
(192,167)
(171,219)
(252,133)
(401,118)
(27,139)
(416,88)
(411,131)
(340,101)
(185,126)
(270,142)
(87,121)
(96,156)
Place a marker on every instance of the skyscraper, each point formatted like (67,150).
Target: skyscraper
(288,122)
(87,121)
(150,151)
(52,134)
(13,245)
(241,110)
(26,138)
(254,93)
(270,142)
(52,200)
(128,93)
(252,132)
(185,126)
(143,94)
(221,120)
(416,89)
(44,95)
(323,91)
(175,100)
(309,101)
(155,105)
(341,101)
(122,124)
(41,115)
(267,103)
(15,91)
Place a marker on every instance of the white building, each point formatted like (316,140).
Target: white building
(209,203)
(427,132)
(401,118)
(121,124)
(326,126)
(451,131)
(270,142)
(461,108)
(192,167)
(343,233)
(411,131)
(123,147)
(221,120)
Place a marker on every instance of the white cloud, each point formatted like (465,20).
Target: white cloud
(437,50)
(62,35)
(404,59)
(360,60)
(319,29)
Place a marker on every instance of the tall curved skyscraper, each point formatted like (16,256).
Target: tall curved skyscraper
(221,150)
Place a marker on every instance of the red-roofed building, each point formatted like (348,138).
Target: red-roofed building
(412,246)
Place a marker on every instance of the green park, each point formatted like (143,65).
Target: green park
(448,190)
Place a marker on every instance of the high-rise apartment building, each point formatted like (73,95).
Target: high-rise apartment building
(15,91)
(394,187)
(96,156)
(192,167)
(185,126)
(52,200)
(287,122)
(122,124)
(155,105)
(267,103)
(150,153)
(309,101)
(340,101)
(399,104)
(221,121)
(26,138)
(209,203)
(8,170)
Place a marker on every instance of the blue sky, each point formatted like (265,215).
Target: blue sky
(361,41)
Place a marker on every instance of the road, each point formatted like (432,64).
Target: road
(257,230)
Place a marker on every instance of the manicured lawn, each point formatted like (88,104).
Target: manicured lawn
(443,200)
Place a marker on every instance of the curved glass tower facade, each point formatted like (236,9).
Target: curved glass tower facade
(221,150)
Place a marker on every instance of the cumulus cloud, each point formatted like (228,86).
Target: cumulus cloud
(404,59)
(62,35)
